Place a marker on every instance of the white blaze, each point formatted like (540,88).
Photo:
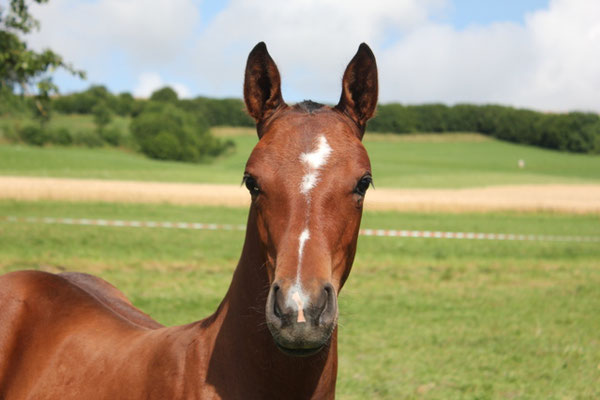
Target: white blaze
(308,182)
(304,236)
(314,161)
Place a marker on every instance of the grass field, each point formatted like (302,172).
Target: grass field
(413,161)
(74,123)
(420,318)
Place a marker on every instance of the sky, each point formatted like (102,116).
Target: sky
(540,54)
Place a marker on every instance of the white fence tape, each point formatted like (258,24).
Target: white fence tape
(364,232)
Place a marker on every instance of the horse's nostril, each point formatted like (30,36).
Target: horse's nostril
(327,293)
(328,311)
(276,309)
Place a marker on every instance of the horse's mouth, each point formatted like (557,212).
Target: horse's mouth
(299,352)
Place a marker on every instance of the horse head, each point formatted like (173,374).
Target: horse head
(307,177)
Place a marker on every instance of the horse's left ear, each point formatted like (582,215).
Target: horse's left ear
(262,84)
(360,87)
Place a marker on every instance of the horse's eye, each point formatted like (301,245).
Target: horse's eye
(363,185)
(251,185)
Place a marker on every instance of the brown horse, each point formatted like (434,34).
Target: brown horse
(274,335)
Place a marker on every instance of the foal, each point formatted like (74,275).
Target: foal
(74,336)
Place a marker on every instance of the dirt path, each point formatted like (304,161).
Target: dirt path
(561,198)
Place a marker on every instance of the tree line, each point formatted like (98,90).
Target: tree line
(162,127)
(214,111)
(574,131)
(167,127)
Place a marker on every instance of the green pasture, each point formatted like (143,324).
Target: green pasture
(404,161)
(419,318)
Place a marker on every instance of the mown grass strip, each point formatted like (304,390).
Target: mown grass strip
(397,161)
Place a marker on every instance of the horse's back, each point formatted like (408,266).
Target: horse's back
(77,289)
(111,297)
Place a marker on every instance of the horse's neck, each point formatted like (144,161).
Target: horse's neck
(244,349)
(244,303)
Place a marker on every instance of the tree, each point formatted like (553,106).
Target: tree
(166,132)
(165,95)
(102,115)
(124,103)
(20,66)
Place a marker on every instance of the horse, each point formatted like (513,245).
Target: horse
(274,335)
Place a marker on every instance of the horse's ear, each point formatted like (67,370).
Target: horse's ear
(360,87)
(262,84)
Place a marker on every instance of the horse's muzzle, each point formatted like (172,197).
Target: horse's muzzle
(301,323)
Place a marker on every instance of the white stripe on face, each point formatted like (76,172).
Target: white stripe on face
(304,236)
(308,182)
(314,161)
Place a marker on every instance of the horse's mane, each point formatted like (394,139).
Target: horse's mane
(309,106)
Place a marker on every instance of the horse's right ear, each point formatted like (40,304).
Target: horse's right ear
(262,84)
(360,88)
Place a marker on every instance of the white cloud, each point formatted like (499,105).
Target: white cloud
(567,41)
(549,62)
(311,40)
(148,82)
(438,63)
(106,36)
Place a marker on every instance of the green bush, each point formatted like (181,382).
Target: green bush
(592,133)
(166,132)
(166,95)
(34,135)
(102,115)
(124,104)
(138,107)
(9,133)
(431,117)
(111,136)
(85,101)
(61,136)
(88,139)
(163,146)
(218,111)
(11,103)
(394,118)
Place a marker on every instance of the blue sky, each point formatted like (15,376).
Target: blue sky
(530,53)
(462,13)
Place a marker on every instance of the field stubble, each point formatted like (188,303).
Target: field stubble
(582,198)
